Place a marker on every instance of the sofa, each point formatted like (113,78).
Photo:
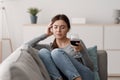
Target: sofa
(24,64)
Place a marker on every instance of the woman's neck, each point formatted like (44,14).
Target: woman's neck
(62,42)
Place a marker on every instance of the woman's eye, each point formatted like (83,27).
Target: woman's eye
(55,27)
(62,27)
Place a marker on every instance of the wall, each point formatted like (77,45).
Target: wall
(95,11)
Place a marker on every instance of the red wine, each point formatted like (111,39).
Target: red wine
(73,42)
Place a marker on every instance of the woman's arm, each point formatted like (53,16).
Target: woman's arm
(36,40)
(86,57)
(42,37)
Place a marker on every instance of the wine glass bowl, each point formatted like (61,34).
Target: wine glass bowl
(74,39)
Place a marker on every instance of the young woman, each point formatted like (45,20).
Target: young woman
(59,59)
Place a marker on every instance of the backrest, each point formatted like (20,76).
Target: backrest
(20,65)
(102,64)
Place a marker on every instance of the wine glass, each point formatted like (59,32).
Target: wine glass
(74,39)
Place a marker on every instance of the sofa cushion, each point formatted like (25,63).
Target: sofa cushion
(34,53)
(20,65)
(7,64)
(93,55)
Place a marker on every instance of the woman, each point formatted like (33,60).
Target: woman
(59,60)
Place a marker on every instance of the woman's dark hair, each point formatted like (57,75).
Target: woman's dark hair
(60,17)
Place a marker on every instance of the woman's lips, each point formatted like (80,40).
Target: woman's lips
(59,34)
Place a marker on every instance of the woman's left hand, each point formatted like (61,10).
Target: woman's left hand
(77,48)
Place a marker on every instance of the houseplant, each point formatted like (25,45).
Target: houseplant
(33,14)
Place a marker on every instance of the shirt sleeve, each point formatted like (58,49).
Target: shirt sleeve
(36,40)
(86,57)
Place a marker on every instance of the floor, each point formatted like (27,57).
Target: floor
(114,78)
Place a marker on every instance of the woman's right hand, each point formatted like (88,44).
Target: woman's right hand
(49,32)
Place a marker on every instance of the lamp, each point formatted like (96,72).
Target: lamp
(4,33)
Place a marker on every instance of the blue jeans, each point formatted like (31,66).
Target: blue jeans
(58,59)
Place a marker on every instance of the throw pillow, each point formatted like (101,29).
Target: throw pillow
(93,55)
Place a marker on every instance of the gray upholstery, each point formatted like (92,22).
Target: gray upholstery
(102,64)
(23,64)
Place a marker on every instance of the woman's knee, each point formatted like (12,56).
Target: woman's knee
(57,52)
(44,52)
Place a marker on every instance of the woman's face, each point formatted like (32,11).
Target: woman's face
(60,29)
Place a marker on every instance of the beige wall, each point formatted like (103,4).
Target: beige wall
(0,50)
(95,11)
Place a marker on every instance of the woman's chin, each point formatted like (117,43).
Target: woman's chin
(59,37)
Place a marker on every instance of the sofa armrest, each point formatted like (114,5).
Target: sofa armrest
(102,64)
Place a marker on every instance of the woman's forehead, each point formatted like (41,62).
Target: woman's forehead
(59,22)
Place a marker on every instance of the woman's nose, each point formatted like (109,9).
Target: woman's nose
(58,29)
